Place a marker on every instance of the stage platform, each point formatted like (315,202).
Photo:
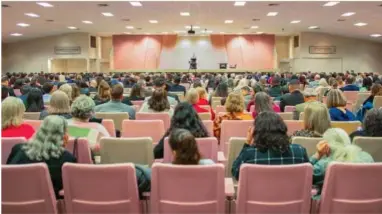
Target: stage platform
(198,70)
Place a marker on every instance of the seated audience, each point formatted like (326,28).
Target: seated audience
(35,101)
(115,104)
(263,102)
(316,120)
(268,143)
(350,86)
(67,89)
(137,93)
(75,92)
(177,87)
(316,81)
(376,90)
(336,147)
(246,92)
(48,89)
(104,93)
(59,105)
(310,97)
(366,84)
(261,84)
(93,86)
(371,126)
(159,83)
(275,90)
(235,111)
(340,81)
(203,96)
(24,93)
(47,146)
(185,117)
(18,84)
(294,97)
(5,86)
(192,97)
(157,103)
(12,112)
(221,91)
(323,86)
(336,102)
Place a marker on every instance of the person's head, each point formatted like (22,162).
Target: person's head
(350,80)
(159,82)
(197,83)
(117,92)
(104,90)
(136,91)
(202,92)
(67,89)
(262,102)
(49,140)
(317,77)
(12,112)
(25,89)
(186,117)
(372,124)
(323,82)
(367,83)
(234,103)
(59,103)
(177,80)
(294,85)
(245,90)
(192,96)
(76,92)
(93,83)
(5,81)
(83,108)
(222,90)
(376,89)
(263,79)
(316,118)
(18,84)
(47,88)
(270,133)
(309,94)
(158,101)
(184,147)
(4,92)
(275,81)
(336,98)
(35,102)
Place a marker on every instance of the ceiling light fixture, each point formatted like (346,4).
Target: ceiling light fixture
(272,14)
(259,32)
(16,34)
(295,21)
(127,32)
(44,4)
(376,35)
(107,14)
(193,27)
(23,24)
(184,13)
(313,27)
(348,14)
(221,32)
(208,31)
(228,21)
(239,3)
(179,31)
(130,27)
(87,22)
(147,33)
(254,27)
(31,15)
(331,3)
(360,24)
(72,28)
(136,4)
(153,21)
(164,32)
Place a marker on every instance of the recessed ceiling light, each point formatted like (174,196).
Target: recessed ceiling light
(153,21)
(23,24)
(147,33)
(221,32)
(376,35)
(164,32)
(313,27)
(360,24)
(254,27)
(240,33)
(107,14)
(259,32)
(130,27)
(193,27)
(16,34)
(179,31)
(295,21)
(208,31)
(127,32)
(136,4)
(272,14)
(31,15)
(348,14)
(239,3)
(87,22)
(331,3)
(44,4)
(184,13)
(228,21)
(72,28)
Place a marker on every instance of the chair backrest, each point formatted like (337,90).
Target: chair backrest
(290,108)
(109,126)
(27,188)
(124,150)
(83,150)
(205,116)
(277,102)
(143,128)
(7,143)
(100,188)
(34,123)
(309,143)
(234,148)
(219,108)
(138,103)
(371,145)
(209,124)
(377,102)
(117,117)
(208,148)
(351,96)
(207,107)
(215,103)
(165,117)
(31,116)
(294,125)
(361,97)
(17,92)
(233,128)
(187,189)
(349,127)
(352,188)
(274,189)
(286,115)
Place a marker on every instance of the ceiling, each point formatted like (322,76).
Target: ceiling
(207,15)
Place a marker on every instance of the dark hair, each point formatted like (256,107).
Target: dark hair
(159,82)
(25,89)
(186,117)
(47,87)
(4,92)
(270,133)
(4,79)
(177,80)
(197,83)
(18,84)
(117,92)
(372,123)
(35,101)
(158,101)
(147,78)
(186,149)
(136,91)
(349,79)
(222,90)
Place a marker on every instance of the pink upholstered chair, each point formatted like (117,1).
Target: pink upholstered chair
(209,124)
(100,188)
(138,103)
(187,189)
(17,92)
(109,126)
(274,189)
(27,189)
(83,150)
(34,123)
(165,117)
(206,107)
(233,128)
(294,125)
(352,188)
(351,96)
(7,143)
(252,108)
(143,128)
(219,109)
(208,148)
(290,108)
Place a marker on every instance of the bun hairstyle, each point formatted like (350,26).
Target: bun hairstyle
(183,143)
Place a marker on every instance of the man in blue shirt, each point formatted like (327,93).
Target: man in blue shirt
(350,86)
(177,87)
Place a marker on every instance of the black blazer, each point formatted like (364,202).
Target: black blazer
(291,99)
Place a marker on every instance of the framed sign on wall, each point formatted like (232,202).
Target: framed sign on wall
(322,50)
(67,50)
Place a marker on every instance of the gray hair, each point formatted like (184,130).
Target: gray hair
(48,142)
(59,103)
(262,102)
(67,89)
(83,107)
(12,112)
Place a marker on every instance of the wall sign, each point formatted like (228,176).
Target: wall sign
(322,49)
(67,50)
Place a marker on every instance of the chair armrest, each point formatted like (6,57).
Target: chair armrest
(229,188)
(158,161)
(221,157)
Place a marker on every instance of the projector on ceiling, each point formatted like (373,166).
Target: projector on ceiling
(191,31)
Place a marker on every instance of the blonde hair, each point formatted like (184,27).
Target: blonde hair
(316,118)
(12,112)
(104,90)
(67,89)
(59,103)
(202,92)
(323,82)
(192,96)
(336,98)
(234,103)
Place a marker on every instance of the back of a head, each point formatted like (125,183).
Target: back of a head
(159,82)
(136,91)
(376,89)
(262,102)
(177,79)
(317,77)
(184,147)
(117,92)
(4,92)
(294,85)
(234,103)
(316,118)
(372,124)
(104,90)
(350,80)
(192,96)
(336,98)
(35,101)
(222,90)
(158,101)
(83,107)
(12,111)
(47,87)
(309,92)
(202,92)
(59,103)
(67,89)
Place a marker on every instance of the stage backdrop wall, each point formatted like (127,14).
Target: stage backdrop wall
(174,52)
